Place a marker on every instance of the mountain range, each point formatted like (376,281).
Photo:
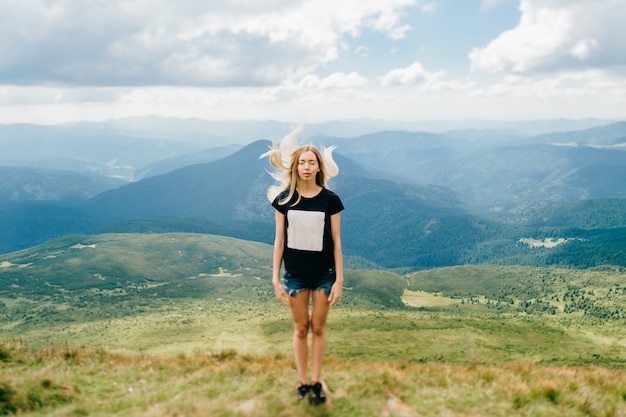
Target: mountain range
(413,200)
(501,176)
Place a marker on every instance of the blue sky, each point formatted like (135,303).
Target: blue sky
(312,60)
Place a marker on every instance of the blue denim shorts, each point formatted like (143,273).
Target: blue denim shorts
(294,284)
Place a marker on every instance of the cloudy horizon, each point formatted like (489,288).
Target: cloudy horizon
(312,61)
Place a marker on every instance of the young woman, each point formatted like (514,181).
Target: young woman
(308,241)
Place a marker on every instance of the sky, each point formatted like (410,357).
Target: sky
(310,61)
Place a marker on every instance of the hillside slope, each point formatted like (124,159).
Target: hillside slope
(232,187)
(499,176)
(232,192)
(599,293)
(179,294)
(387,223)
(36,184)
(112,261)
(77,381)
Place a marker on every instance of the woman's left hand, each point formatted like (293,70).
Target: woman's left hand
(335,294)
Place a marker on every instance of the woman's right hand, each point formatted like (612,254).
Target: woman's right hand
(281,294)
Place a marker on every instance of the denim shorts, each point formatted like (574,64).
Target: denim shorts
(294,284)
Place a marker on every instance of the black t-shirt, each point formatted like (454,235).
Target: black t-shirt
(309,249)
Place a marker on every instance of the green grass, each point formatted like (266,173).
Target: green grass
(72,381)
(598,292)
(183,324)
(188,326)
(114,261)
(201,293)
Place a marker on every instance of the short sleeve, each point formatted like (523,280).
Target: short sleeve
(282,208)
(334,203)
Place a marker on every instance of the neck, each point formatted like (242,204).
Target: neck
(308,187)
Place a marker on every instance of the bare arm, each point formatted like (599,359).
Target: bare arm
(337,289)
(279,248)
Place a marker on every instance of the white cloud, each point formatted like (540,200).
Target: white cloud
(400,32)
(334,81)
(388,21)
(570,84)
(584,48)
(404,76)
(183,42)
(420,78)
(361,50)
(554,35)
(414,74)
(63,60)
(429,7)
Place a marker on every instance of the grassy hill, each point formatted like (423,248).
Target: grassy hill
(117,261)
(172,293)
(74,381)
(598,292)
(187,324)
(397,226)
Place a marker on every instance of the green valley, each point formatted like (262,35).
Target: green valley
(137,310)
(184,293)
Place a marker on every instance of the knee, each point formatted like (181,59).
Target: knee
(318,329)
(301,330)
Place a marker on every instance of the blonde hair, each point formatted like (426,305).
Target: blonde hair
(284,157)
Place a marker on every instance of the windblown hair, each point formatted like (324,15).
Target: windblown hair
(285,156)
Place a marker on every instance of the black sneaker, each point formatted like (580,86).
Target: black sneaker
(317,395)
(303,391)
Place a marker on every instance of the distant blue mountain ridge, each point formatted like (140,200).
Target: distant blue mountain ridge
(414,200)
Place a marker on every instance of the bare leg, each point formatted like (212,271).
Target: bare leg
(300,314)
(318,328)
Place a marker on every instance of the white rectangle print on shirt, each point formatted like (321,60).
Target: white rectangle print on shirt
(306,230)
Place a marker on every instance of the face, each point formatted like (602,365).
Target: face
(308,166)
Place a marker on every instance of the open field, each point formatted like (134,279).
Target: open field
(188,326)
(165,325)
(70,381)
(188,293)
(426,299)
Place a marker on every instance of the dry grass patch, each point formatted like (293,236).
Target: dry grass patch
(71,381)
(426,299)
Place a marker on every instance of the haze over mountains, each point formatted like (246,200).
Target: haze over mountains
(414,199)
(503,175)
